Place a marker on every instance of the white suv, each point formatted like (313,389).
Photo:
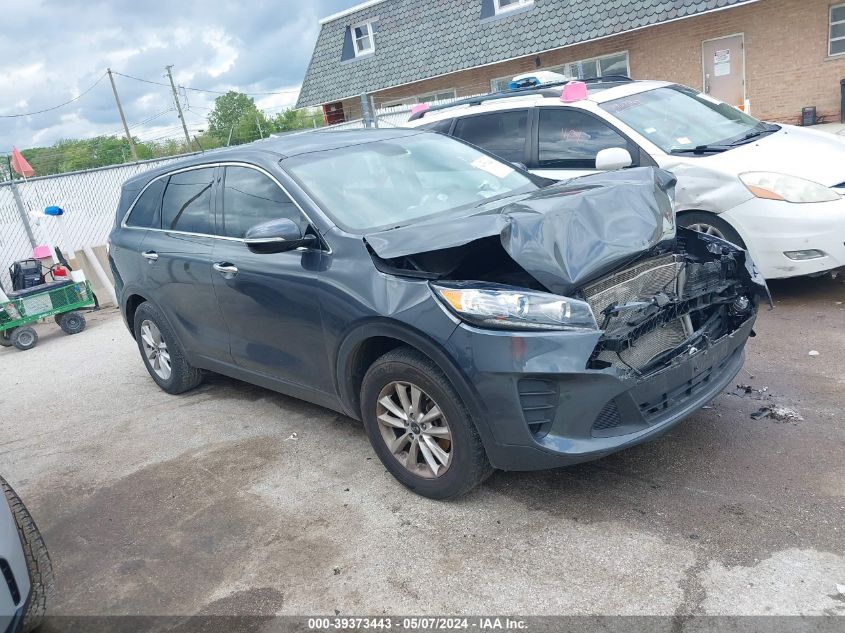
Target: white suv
(773,189)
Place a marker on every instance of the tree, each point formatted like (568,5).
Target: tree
(232,110)
(297,120)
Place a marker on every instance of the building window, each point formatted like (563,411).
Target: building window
(509,5)
(432,97)
(615,64)
(362,36)
(836,44)
(442,95)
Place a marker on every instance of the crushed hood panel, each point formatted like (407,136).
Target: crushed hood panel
(563,235)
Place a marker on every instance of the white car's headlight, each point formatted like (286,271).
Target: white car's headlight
(772,186)
(504,307)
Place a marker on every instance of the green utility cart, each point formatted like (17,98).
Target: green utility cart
(60,300)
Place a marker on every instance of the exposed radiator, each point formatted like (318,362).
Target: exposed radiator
(641,282)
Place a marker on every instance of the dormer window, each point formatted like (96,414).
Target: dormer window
(503,6)
(362,38)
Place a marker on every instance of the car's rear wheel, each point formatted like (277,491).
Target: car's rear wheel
(162,353)
(710,224)
(38,562)
(420,428)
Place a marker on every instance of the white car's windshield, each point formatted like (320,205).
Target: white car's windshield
(679,120)
(399,181)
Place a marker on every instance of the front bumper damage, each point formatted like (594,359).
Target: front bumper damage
(674,309)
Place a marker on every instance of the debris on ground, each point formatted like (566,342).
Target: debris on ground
(292,436)
(748,390)
(778,413)
(814,352)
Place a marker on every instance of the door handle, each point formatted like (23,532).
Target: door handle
(150,255)
(226,269)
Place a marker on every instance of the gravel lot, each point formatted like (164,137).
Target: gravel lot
(233,499)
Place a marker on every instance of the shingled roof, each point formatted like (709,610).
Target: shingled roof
(420,39)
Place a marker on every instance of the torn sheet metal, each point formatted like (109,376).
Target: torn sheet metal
(563,235)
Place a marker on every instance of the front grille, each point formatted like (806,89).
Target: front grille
(6,570)
(539,401)
(608,418)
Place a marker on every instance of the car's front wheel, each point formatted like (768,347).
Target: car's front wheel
(162,353)
(420,428)
(711,224)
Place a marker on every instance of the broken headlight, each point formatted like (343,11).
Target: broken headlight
(505,307)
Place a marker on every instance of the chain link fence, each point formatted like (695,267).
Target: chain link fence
(89,199)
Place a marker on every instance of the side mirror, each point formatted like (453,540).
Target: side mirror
(520,166)
(613,158)
(277,236)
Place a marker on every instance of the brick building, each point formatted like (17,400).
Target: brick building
(779,55)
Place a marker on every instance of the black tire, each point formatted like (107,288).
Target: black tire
(6,338)
(24,338)
(72,322)
(468,465)
(703,218)
(38,562)
(183,376)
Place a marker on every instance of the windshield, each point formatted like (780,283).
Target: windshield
(678,119)
(400,181)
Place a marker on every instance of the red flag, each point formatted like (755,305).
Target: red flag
(20,165)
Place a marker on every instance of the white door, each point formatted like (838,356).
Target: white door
(724,69)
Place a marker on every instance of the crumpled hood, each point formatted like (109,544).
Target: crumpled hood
(563,235)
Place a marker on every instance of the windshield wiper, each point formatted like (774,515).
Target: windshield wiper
(701,149)
(759,131)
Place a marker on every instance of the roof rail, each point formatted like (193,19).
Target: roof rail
(541,89)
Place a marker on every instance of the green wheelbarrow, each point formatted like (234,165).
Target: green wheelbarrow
(61,300)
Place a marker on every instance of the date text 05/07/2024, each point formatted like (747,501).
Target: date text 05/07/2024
(417,623)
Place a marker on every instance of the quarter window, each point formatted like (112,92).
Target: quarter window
(500,133)
(146,212)
(362,34)
(186,205)
(439,126)
(251,198)
(836,43)
(571,140)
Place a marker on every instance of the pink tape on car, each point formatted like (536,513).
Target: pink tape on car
(574,91)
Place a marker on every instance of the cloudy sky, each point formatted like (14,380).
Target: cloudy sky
(53,50)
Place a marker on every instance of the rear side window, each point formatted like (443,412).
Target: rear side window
(500,133)
(572,139)
(145,214)
(186,205)
(251,198)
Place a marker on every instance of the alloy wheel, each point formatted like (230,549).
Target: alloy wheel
(414,429)
(707,229)
(155,349)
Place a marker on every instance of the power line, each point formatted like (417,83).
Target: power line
(216,92)
(61,105)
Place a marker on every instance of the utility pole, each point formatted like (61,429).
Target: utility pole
(178,106)
(122,118)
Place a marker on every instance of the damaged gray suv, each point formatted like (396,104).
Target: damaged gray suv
(472,315)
